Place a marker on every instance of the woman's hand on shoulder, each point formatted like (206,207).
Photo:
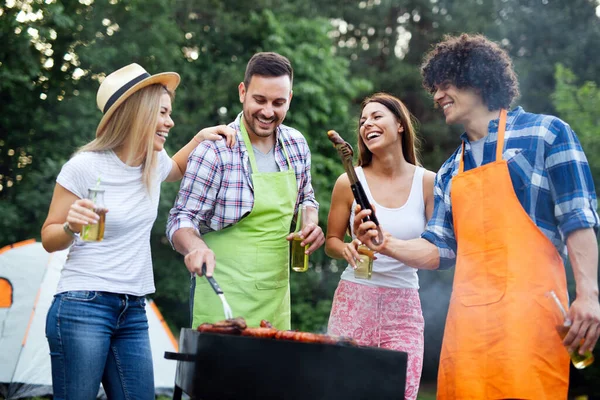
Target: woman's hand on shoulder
(217,133)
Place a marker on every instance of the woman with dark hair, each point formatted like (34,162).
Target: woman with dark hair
(96,326)
(384,311)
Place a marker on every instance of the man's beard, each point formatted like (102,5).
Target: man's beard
(254,126)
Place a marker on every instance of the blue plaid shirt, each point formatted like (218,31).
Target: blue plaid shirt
(216,189)
(549,172)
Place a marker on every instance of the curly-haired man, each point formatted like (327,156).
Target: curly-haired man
(508,216)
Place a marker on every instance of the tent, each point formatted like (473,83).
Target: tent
(28,279)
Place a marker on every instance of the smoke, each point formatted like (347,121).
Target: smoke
(436,287)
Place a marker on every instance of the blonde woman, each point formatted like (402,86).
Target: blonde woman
(97,327)
(384,311)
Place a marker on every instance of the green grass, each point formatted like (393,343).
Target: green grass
(426,392)
(425,396)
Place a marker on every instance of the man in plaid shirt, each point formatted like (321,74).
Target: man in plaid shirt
(236,204)
(512,203)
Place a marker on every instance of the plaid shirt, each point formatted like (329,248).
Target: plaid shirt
(549,172)
(216,190)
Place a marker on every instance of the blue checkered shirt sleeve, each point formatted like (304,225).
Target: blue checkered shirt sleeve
(570,182)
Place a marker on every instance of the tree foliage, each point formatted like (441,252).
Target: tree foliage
(578,105)
(55,52)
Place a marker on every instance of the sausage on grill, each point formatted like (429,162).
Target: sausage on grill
(237,326)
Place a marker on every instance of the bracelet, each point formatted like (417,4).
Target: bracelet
(196,139)
(69,231)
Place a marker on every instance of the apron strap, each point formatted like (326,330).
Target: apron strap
(501,130)
(499,142)
(250,150)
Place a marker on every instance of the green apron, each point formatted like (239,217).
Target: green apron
(252,256)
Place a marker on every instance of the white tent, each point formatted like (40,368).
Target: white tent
(28,279)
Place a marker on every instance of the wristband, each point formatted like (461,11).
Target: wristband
(69,231)
(196,139)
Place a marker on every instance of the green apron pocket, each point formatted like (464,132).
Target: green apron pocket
(272,284)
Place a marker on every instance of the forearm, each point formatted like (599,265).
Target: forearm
(181,157)
(583,254)
(186,240)
(417,253)
(54,238)
(313,215)
(334,247)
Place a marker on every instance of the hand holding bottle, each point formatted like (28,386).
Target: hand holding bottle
(94,232)
(311,232)
(299,252)
(579,361)
(80,214)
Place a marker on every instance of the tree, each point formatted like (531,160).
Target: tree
(578,105)
(323,92)
(54,54)
(540,35)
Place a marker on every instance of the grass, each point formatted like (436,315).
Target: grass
(427,391)
(425,395)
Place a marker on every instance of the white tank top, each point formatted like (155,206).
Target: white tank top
(406,222)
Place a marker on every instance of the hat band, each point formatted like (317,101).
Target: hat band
(123,89)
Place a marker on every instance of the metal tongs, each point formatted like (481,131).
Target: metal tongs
(226,309)
(345,151)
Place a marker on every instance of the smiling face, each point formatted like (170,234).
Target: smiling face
(265,101)
(458,105)
(164,122)
(379,127)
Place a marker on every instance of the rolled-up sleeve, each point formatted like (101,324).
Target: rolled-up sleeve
(570,181)
(440,228)
(195,201)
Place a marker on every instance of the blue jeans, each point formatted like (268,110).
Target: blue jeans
(99,337)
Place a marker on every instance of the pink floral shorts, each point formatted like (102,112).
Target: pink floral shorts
(383,317)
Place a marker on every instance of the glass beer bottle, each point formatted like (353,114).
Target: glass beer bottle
(580,361)
(299,259)
(364,264)
(95,232)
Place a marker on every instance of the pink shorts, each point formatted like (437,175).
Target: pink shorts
(383,317)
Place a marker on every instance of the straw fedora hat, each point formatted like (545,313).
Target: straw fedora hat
(124,82)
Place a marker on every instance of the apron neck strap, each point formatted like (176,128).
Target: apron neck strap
(501,130)
(250,149)
(499,142)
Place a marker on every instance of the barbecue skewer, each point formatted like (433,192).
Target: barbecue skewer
(345,151)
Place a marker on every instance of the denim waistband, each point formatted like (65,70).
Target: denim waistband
(121,295)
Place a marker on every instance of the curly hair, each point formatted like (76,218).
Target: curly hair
(472,61)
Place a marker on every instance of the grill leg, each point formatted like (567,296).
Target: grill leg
(177,393)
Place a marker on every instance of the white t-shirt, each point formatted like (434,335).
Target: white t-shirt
(406,222)
(121,262)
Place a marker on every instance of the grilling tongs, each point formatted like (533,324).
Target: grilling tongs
(219,292)
(345,151)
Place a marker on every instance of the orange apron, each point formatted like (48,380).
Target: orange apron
(500,340)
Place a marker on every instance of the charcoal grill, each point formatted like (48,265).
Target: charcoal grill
(226,367)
